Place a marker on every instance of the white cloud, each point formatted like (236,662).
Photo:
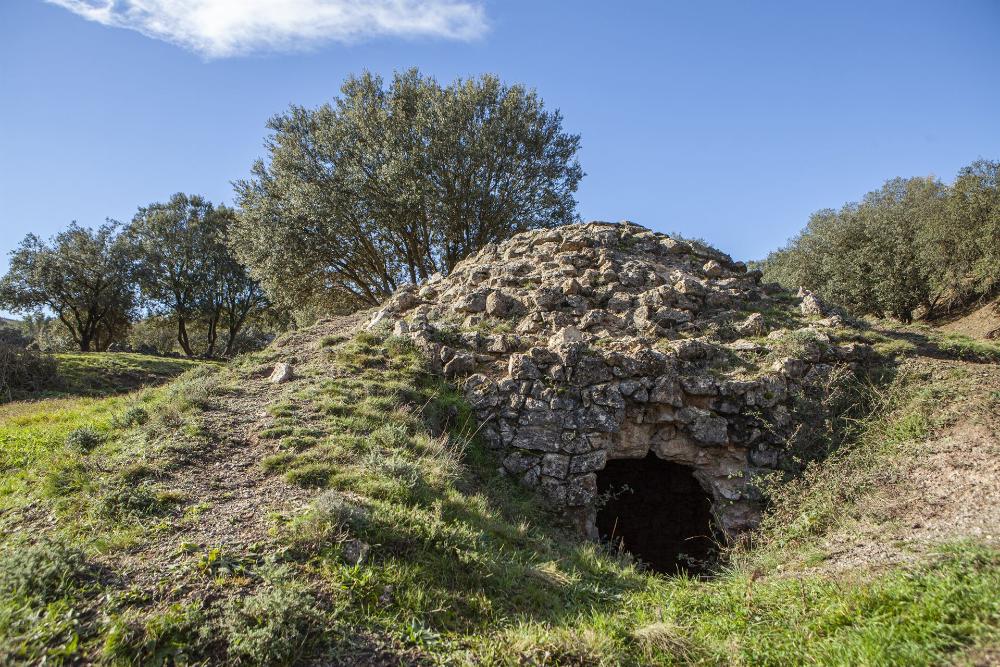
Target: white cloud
(221,28)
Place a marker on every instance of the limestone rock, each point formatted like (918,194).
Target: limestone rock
(282,373)
(754,325)
(712,269)
(383,316)
(471,303)
(811,304)
(596,341)
(502,305)
(461,363)
(565,336)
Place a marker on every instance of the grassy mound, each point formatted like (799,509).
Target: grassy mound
(356,518)
(106,373)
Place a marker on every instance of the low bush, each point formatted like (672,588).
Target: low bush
(44,571)
(83,439)
(24,371)
(277,625)
(125,501)
(133,416)
(42,585)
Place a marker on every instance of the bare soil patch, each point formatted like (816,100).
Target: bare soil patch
(943,489)
(983,322)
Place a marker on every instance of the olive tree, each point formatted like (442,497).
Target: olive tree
(877,256)
(974,222)
(172,242)
(185,268)
(392,183)
(84,276)
(230,295)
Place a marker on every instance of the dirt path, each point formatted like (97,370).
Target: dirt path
(942,489)
(233,500)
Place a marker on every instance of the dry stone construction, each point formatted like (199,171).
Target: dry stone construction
(594,342)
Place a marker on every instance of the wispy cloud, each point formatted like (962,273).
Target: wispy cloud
(222,28)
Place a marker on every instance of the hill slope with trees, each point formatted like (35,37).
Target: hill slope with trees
(352,515)
(914,247)
(326,494)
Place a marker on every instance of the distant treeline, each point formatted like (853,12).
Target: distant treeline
(916,247)
(390,183)
(170,266)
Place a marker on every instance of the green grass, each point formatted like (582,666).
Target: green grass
(416,545)
(105,373)
(33,436)
(964,347)
(920,338)
(99,374)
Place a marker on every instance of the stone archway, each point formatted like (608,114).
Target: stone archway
(722,471)
(658,511)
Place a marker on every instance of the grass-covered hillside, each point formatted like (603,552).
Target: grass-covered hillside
(351,516)
(28,375)
(106,373)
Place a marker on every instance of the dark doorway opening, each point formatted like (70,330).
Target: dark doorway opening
(658,512)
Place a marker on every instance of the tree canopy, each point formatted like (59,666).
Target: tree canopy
(185,268)
(913,245)
(84,276)
(390,184)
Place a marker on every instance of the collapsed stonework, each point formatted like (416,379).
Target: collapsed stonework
(592,342)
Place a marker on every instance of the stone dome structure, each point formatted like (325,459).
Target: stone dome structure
(599,342)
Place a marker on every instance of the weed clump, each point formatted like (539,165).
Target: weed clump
(278,625)
(45,571)
(327,521)
(66,478)
(181,634)
(84,439)
(311,475)
(133,416)
(41,587)
(124,501)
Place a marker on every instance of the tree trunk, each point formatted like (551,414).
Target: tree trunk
(237,316)
(213,333)
(182,337)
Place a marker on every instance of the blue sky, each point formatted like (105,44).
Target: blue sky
(730,121)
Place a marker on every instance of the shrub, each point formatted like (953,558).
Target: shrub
(14,337)
(45,571)
(275,626)
(25,371)
(126,500)
(914,246)
(41,586)
(133,416)
(182,634)
(83,439)
(326,520)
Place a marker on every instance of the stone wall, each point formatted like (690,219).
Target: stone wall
(598,341)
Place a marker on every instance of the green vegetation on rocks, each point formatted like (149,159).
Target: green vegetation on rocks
(412,547)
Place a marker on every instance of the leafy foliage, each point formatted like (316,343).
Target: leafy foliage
(24,371)
(186,269)
(387,185)
(83,439)
(914,244)
(84,276)
(44,571)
